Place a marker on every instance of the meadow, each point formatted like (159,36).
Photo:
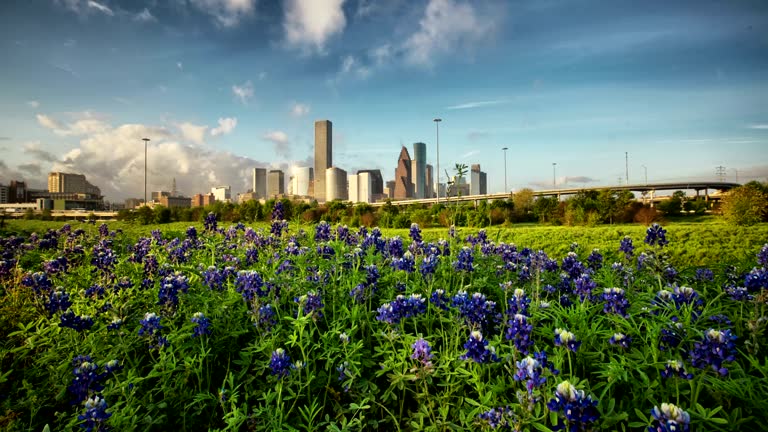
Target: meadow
(287,327)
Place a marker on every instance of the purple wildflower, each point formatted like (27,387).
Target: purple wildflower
(280,363)
(620,339)
(478,349)
(717,347)
(566,339)
(669,418)
(675,368)
(578,409)
(656,235)
(203,326)
(615,302)
(520,330)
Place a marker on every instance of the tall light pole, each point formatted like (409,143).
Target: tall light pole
(505,168)
(437,142)
(554,175)
(626,165)
(146,140)
(645,170)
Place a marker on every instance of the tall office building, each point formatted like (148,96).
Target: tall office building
(418,170)
(335,184)
(364,187)
(478,181)
(377,181)
(3,194)
(222,193)
(430,190)
(323,157)
(275,183)
(60,182)
(353,188)
(403,182)
(259,186)
(301,178)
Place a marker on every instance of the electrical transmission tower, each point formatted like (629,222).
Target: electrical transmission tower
(720,172)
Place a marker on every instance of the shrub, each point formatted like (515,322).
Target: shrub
(746,205)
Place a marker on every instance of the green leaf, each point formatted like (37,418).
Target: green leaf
(541,427)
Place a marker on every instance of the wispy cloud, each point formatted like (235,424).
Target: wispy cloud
(34,149)
(477,135)
(100,7)
(144,16)
(227,13)
(180,66)
(758,126)
(299,109)
(226,125)
(65,68)
(243,92)
(477,104)
(33,104)
(470,154)
(280,140)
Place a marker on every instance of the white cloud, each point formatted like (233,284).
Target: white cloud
(447,25)
(193,132)
(352,66)
(227,13)
(33,104)
(144,16)
(100,7)
(180,65)
(280,140)
(48,122)
(226,125)
(243,92)
(309,25)
(758,126)
(476,104)
(299,109)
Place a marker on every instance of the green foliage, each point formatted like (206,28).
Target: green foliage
(746,205)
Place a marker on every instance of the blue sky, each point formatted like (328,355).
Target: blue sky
(221,86)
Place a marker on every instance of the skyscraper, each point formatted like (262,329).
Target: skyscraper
(259,186)
(353,187)
(478,181)
(430,190)
(418,170)
(275,183)
(403,183)
(60,182)
(301,178)
(222,193)
(323,156)
(336,184)
(364,187)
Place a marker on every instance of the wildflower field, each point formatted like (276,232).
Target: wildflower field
(335,328)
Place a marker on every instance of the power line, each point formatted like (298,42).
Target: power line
(720,172)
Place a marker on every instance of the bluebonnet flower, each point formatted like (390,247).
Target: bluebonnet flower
(322,232)
(621,340)
(395,247)
(518,303)
(642,259)
(429,264)
(439,299)
(78,323)
(406,263)
(704,275)
(615,302)
(595,260)
(39,282)
(671,335)
(669,418)
(115,324)
(311,303)
(56,266)
(756,279)
(150,325)
(566,339)
(627,247)
(280,363)
(203,326)
(191,233)
(721,319)
(344,338)
(265,318)
(498,418)
(572,266)
(87,378)
(531,370)
(214,278)
(415,233)
(358,293)
(675,368)
(95,415)
(103,230)
(762,256)
(104,258)
(211,223)
(95,290)
(480,239)
(343,234)
(478,349)
(578,409)
(325,251)
(249,284)
(464,260)
(344,373)
(478,312)
(58,301)
(371,274)
(251,256)
(278,211)
(583,287)
(169,290)
(717,347)
(656,235)
(670,273)
(422,352)
(687,296)
(112,366)
(520,330)
(401,307)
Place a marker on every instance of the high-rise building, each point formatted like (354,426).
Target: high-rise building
(301,178)
(353,188)
(275,183)
(418,170)
(478,181)
(430,190)
(131,203)
(17,192)
(335,184)
(222,193)
(175,201)
(156,195)
(403,182)
(377,181)
(202,200)
(323,157)
(364,187)
(389,189)
(3,194)
(259,186)
(59,182)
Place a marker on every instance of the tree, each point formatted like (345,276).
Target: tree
(674,205)
(523,202)
(545,209)
(745,205)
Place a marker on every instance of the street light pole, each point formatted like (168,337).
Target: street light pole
(505,169)
(437,142)
(146,140)
(645,170)
(554,175)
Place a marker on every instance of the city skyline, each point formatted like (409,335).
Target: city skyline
(222,87)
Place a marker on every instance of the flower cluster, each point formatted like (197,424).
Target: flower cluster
(518,303)
(716,348)
(620,339)
(440,299)
(669,418)
(401,307)
(520,331)
(578,409)
(58,301)
(406,263)
(311,303)
(478,349)
(210,223)
(95,415)
(322,232)
(280,363)
(627,247)
(76,322)
(615,302)
(531,370)
(595,260)
(477,311)
(150,328)
(170,286)
(583,287)
(415,233)
(87,380)
(249,284)
(566,339)
(203,326)
(422,352)
(498,418)
(464,260)
(429,264)
(704,275)
(675,368)
(656,235)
